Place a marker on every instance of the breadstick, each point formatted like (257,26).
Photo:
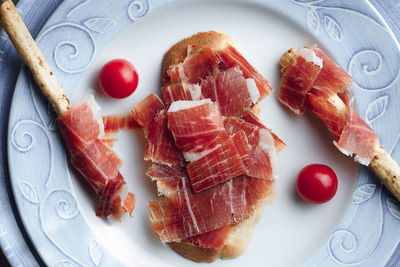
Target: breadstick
(382,164)
(31,55)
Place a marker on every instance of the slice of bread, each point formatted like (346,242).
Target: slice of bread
(240,237)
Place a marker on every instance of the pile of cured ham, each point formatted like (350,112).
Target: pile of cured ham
(214,161)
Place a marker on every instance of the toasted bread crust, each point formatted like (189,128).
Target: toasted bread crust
(178,52)
(287,57)
(193,252)
(238,240)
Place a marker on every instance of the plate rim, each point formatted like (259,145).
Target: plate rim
(54,14)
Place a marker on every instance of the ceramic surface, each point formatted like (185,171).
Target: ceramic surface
(53,206)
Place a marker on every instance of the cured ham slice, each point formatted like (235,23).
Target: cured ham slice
(253,132)
(109,139)
(229,89)
(186,214)
(242,145)
(332,78)
(80,127)
(256,160)
(199,133)
(298,78)
(160,145)
(146,110)
(115,123)
(195,67)
(213,239)
(98,164)
(357,138)
(218,166)
(197,127)
(250,117)
(230,57)
(169,178)
(180,91)
(328,114)
(262,147)
(115,199)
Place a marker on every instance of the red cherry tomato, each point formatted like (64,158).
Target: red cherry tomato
(118,78)
(316,183)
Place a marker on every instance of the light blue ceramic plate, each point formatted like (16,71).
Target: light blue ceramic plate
(57,209)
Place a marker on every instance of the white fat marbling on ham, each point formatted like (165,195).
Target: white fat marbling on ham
(189,206)
(344,151)
(122,193)
(195,91)
(310,56)
(362,161)
(184,104)
(193,156)
(96,113)
(181,71)
(253,90)
(230,187)
(267,143)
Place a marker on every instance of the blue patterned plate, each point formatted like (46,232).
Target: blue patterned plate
(359,227)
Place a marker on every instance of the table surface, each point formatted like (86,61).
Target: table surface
(38,14)
(3,259)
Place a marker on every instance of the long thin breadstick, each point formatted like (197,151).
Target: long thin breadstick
(383,165)
(31,55)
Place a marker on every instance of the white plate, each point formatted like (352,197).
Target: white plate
(68,231)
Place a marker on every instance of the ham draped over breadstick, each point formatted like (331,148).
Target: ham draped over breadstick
(81,125)
(310,79)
